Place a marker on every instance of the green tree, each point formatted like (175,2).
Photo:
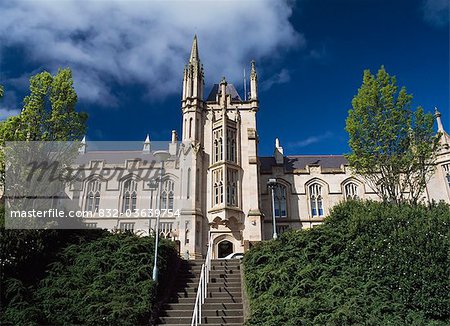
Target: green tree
(48,114)
(392,145)
(49,111)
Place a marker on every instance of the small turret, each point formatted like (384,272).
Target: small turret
(437,114)
(147,146)
(82,149)
(278,152)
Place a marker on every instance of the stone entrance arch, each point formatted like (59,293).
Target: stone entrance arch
(224,248)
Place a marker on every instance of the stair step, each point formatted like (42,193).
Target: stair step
(205,320)
(233,294)
(193,292)
(219,324)
(206,306)
(229,299)
(206,312)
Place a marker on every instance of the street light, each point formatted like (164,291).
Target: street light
(272,183)
(160,156)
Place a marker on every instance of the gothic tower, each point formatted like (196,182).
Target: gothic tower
(221,132)
(192,215)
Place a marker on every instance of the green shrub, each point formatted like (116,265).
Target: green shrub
(368,264)
(80,277)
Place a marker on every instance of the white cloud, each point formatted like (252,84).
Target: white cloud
(310,140)
(436,12)
(282,77)
(5,113)
(145,42)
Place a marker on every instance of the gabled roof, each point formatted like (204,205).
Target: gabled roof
(299,162)
(230,90)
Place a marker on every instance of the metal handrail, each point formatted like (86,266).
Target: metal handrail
(202,290)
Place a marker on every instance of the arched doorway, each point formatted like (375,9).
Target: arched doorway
(224,248)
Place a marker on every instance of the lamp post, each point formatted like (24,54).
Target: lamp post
(272,183)
(160,156)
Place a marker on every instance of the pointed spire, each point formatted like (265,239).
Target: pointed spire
(147,146)
(223,93)
(194,51)
(253,69)
(437,114)
(278,153)
(82,148)
(253,82)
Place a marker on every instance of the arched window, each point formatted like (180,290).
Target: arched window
(351,191)
(188,191)
(167,194)
(231,145)
(190,128)
(316,199)
(280,200)
(129,197)
(232,183)
(218,186)
(93,196)
(218,143)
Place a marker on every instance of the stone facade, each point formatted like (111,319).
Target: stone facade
(216,178)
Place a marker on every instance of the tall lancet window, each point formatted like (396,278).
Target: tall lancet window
(218,143)
(129,197)
(280,201)
(167,194)
(232,187)
(93,196)
(316,199)
(231,145)
(190,128)
(218,186)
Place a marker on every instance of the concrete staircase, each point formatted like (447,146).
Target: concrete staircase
(223,306)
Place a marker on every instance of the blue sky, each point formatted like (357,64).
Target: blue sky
(127,59)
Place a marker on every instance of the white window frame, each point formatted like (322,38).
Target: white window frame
(129,195)
(92,201)
(316,199)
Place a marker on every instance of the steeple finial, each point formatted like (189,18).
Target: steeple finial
(82,148)
(147,144)
(437,114)
(194,51)
(253,82)
(253,69)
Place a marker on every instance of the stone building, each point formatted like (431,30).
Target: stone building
(216,180)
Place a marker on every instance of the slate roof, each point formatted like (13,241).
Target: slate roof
(299,162)
(113,157)
(230,90)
